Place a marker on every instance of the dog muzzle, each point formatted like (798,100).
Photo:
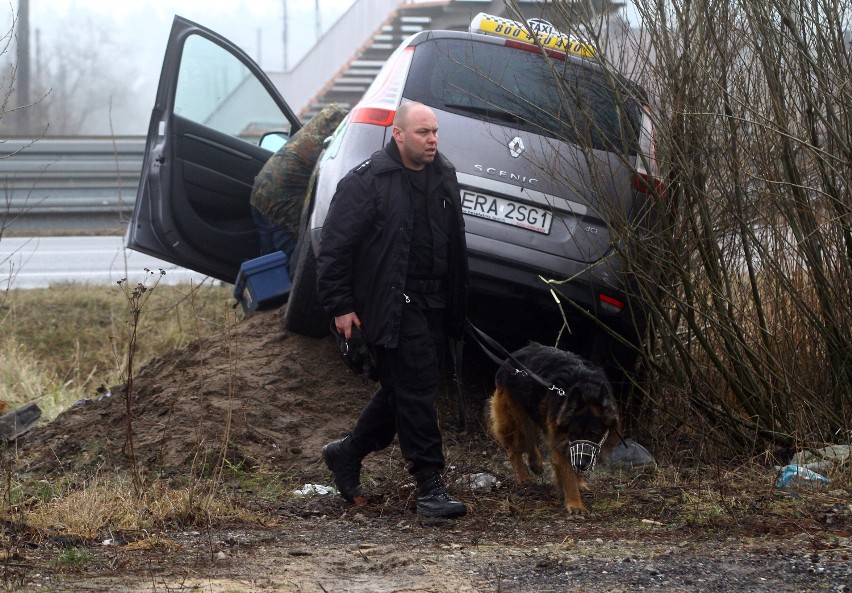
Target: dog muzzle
(584,454)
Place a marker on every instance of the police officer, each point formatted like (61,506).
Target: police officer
(393,265)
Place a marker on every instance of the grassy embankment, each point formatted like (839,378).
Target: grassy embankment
(64,343)
(69,342)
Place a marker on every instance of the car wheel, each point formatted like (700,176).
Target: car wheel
(304,314)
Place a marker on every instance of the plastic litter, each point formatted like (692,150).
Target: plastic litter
(797,475)
(319,489)
(832,453)
(629,454)
(481,481)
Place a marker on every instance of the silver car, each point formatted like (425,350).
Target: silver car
(550,150)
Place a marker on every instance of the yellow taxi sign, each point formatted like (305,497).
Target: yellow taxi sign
(547,36)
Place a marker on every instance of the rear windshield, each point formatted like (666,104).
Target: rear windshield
(507,86)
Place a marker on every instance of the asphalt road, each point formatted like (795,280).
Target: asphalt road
(38,262)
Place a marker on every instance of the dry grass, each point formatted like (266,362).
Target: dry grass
(60,344)
(719,496)
(105,503)
(65,343)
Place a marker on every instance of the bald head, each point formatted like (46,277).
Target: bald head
(404,111)
(415,130)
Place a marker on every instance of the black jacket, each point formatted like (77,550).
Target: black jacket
(364,248)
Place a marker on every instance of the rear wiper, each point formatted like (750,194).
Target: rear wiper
(490,112)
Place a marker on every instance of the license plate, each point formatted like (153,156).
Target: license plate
(506,211)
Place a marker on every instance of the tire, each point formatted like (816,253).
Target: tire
(304,314)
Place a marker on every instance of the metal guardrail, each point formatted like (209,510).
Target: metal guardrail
(73,185)
(68,185)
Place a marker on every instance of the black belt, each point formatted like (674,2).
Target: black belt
(425,285)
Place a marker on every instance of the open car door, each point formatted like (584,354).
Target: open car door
(213,106)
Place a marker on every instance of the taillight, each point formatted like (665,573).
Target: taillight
(610,304)
(379,104)
(646,183)
(372,115)
(558,55)
(647,176)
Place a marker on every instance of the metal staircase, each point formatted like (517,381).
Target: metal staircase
(352,80)
(348,84)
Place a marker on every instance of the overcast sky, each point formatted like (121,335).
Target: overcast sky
(137,31)
(143,25)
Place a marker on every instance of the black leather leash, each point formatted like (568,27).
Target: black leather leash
(491,346)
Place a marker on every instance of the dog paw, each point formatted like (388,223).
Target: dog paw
(577,510)
(524,480)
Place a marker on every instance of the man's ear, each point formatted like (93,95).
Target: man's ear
(397,133)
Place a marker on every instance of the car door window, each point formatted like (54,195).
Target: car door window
(214,88)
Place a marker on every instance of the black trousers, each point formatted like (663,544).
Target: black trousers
(404,404)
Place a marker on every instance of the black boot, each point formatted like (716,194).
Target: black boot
(345,464)
(435,501)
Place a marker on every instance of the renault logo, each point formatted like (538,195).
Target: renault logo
(516,146)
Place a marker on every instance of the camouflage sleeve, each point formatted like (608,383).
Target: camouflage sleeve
(280,187)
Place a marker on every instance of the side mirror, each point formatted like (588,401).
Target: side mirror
(272,141)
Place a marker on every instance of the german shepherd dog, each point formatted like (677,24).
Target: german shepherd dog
(522,408)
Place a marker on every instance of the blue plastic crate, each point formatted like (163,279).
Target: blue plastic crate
(263,282)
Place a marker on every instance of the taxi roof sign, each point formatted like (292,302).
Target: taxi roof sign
(548,37)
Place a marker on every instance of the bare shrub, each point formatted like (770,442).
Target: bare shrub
(746,275)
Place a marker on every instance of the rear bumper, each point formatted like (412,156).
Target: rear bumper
(506,280)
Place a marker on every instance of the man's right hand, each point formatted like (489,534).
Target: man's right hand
(344,324)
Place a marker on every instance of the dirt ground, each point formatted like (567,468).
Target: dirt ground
(279,397)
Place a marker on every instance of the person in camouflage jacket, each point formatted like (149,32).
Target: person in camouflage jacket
(280,187)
